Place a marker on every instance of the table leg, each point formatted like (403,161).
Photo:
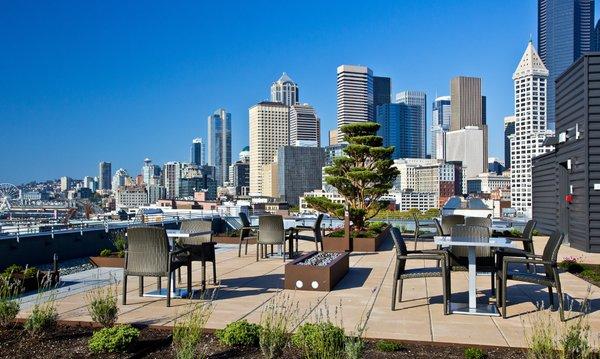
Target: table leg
(472,278)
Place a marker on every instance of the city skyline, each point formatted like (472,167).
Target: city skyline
(166,124)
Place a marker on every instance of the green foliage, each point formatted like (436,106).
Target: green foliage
(515,232)
(376,227)
(276,320)
(43,317)
(474,353)
(9,308)
(320,341)
(188,331)
(102,306)
(325,205)
(408,215)
(105,252)
(119,240)
(574,342)
(113,339)
(591,274)
(541,335)
(364,173)
(571,265)
(30,272)
(13,268)
(388,346)
(239,333)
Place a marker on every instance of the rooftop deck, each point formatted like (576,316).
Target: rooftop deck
(246,285)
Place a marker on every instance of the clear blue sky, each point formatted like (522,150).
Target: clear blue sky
(83,82)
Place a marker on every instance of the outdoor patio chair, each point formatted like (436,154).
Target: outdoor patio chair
(201,248)
(549,279)
(148,255)
(427,235)
(450,221)
(247,232)
(527,250)
(270,231)
(479,221)
(401,273)
(484,256)
(317,233)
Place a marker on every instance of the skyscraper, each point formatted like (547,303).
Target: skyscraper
(355,101)
(150,172)
(119,179)
(285,91)
(382,91)
(219,144)
(269,123)
(196,152)
(305,126)
(418,123)
(172,174)
(440,124)
(530,78)
(401,127)
(298,171)
(509,130)
(564,34)
(104,175)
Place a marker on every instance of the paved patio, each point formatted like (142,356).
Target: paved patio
(246,285)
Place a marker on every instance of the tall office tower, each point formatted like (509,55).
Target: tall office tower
(333,137)
(104,175)
(418,99)
(219,144)
(196,152)
(401,127)
(305,126)
(354,96)
(509,130)
(382,91)
(150,172)
(119,179)
(172,174)
(440,123)
(564,34)
(88,182)
(285,91)
(530,77)
(468,108)
(595,40)
(244,155)
(66,183)
(268,131)
(298,171)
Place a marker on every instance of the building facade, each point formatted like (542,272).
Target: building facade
(299,171)
(150,172)
(305,126)
(131,197)
(465,146)
(171,175)
(285,91)
(196,152)
(417,99)
(382,91)
(509,131)
(401,126)
(104,175)
(355,102)
(219,144)
(441,113)
(120,179)
(487,183)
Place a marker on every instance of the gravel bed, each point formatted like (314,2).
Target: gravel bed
(69,266)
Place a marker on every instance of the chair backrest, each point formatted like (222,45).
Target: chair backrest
(464,233)
(244,219)
(317,227)
(417,225)
(270,229)
(479,221)
(147,250)
(528,235)
(401,249)
(450,221)
(550,253)
(438,226)
(196,226)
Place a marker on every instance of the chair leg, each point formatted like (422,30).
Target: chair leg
(124,300)
(272,252)
(203,276)
(246,248)
(179,275)
(141,286)
(169,289)
(189,279)
(240,247)
(158,284)
(214,265)
(394,289)
(503,291)
(561,304)
(400,285)
(257,250)
(551,296)
(493,282)
(445,295)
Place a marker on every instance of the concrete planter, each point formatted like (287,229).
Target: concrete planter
(314,277)
(113,261)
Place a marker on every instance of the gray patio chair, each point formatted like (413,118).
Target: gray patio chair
(549,279)
(450,221)
(247,232)
(484,256)
(528,249)
(270,231)
(428,235)
(201,248)
(479,221)
(148,255)
(401,273)
(317,232)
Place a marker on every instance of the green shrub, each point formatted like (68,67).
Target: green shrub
(102,306)
(13,268)
(541,335)
(30,272)
(239,333)
(320,341)
(377,227)
(42,318)
(474,353)
(8,311)
(574,342)
(276,320)
(113,339)
(187,332)
(105,252)
(354,347)
(591,274)
(119,240)
(388,346)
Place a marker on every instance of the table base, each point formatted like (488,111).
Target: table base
(480,309)
(177,293)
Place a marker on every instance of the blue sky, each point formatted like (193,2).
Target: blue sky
(83,82)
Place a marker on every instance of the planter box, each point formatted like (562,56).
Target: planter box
(112,262)
(369,244)
(43,279)
(336,244)
(315,278)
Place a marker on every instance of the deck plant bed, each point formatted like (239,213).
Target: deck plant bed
(112,258)
(585,271)
(72,342)
(316,271)
(28,279)
(368,240)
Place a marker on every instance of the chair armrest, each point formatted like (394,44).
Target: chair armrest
(305,227)
(507,260)
(250,228)
(424,256)
(520,239)
(179,251)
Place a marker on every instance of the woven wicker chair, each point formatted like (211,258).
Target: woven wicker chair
(201,248)
(527,250)
(450,221)
(401,273)
(247,232)
(549,279)
(484,256)
(479,221)
(429,235)
(148,255)
(317,232)
(270,231)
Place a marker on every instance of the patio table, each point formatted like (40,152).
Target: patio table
(472,308)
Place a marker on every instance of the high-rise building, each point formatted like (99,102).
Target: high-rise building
(119,179)
(219,144)
(400,126)
(333,137)
(355,101)
(285,91)
(171,175)
(305,126)
(240,177)
(196,152)
(465,146)
(382,91)
(564,34)
(299,171)
(155,193)
(150,172)
(419,100)
(509,130)
(244,155)
(530,78)
(66,183)
(88,182)
(440,124)
(595,45)
(104,175)
(268,131)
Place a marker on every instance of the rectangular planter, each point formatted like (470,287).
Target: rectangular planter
(371,244)
(111,262)
(336,244)
(315,278)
